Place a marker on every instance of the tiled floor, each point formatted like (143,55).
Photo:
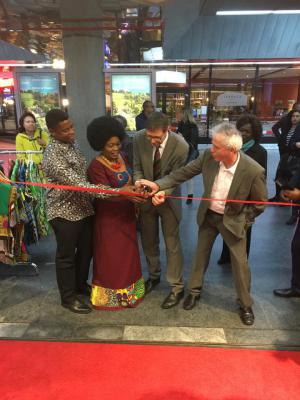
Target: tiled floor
(29,305)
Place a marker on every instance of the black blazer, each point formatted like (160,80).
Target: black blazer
(280,130)
(190,132)
(258,154)
(293,149)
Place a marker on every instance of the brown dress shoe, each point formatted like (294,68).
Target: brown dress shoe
(190,301)
(247,315)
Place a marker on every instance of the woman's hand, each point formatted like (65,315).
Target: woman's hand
(134,190)
(297,144)
(41,142)
(144,183)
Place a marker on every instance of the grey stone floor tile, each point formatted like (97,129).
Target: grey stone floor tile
(261,337)
(174,334)
(41,331)
(109,333)
(14,330)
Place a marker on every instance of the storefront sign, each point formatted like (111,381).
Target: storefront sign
(232,99)
(6,82)
(170,77)
(6,79)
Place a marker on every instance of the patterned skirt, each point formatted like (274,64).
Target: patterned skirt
(117,299)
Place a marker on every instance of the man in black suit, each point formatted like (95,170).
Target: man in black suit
(294,289)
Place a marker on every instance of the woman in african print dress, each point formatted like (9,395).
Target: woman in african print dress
(117,277)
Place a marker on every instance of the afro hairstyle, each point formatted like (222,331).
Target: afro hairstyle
(101,129)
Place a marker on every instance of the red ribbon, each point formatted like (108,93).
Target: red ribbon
(123,192)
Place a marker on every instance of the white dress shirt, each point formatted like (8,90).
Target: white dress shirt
(222,185)
(161,146)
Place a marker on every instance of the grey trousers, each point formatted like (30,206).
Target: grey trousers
(208,231)
(150,242)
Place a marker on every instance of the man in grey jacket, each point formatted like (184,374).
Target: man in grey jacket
(227,174)
(157,152)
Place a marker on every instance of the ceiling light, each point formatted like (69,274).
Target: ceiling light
(257,12)
(204,63)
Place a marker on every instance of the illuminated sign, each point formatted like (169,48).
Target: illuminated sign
(6,82)
(232,99)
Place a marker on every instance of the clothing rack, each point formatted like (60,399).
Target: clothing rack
(25,263)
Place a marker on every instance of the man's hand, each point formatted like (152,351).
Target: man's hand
(159,198)
(293,195)
(142,183)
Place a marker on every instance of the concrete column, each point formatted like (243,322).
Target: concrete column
(84,58)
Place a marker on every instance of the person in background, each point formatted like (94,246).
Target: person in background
(127,141)
(189,130)
(140,120)
(281,130)
(30,138)
(251,130)
(288,150)
(294,289)
(70,212)
(117,276)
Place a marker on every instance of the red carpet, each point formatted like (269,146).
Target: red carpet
(65,371)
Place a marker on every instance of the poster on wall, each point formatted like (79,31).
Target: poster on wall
(128,92)
(39,93)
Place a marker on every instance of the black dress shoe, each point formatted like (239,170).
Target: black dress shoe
(190,301)
(172,300)
(290,292)
(77,306)
(150,284)
(247,315)
(222,261)
(85,291)
(190,199)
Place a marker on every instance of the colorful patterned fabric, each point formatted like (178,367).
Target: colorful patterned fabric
(4,198)
(118,298)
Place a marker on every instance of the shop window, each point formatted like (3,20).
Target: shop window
(199,97)
(232,92)
(277,91)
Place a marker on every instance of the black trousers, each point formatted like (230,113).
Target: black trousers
(296,258)
(225,255)
(73,255)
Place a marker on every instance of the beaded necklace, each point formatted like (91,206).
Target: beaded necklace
(115,165)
